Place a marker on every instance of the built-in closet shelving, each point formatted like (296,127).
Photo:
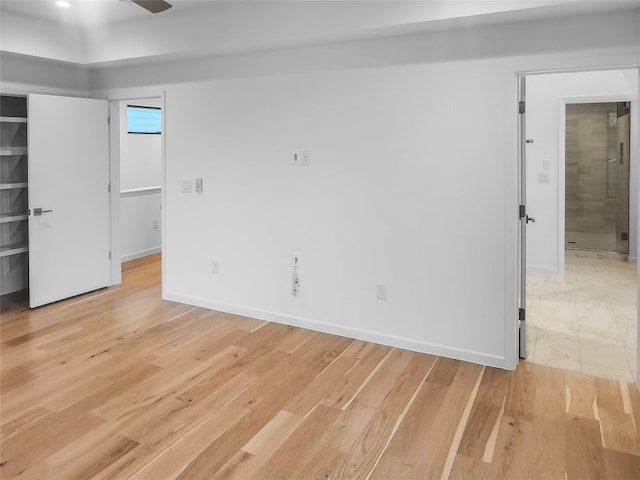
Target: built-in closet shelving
(14,229)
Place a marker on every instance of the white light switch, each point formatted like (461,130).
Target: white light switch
(544,178)
(382,292)
(305,159)
(187,186)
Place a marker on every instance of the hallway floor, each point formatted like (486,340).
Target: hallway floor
(586,319)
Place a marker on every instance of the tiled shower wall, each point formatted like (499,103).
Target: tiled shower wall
(595,188)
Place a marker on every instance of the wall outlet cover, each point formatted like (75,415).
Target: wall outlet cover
(544,177)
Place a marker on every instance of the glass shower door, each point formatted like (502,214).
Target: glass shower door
(597,177)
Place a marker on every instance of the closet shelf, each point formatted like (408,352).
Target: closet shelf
(12,186)
(8,151)
(13,249)
(14,213)
(13,217)
(13,119)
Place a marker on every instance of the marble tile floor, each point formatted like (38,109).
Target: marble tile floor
(586,319)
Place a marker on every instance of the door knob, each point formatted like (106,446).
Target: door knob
(39,211)
(530,219)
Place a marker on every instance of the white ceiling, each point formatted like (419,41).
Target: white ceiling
(104,32)
(89,13)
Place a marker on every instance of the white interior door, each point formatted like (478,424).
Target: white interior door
(524,219)
(68,182)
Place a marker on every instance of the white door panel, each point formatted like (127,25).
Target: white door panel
(68,175)
(524,218)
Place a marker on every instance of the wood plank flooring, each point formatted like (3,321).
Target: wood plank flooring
(118,384)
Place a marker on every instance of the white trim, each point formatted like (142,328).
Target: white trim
(534,269)
(137,192)
(562,179)
(634,178)
(632,259)
(140,254)
(116,256)
(601,98)
(114,166)
(334,329)
(163,196)
(12,88)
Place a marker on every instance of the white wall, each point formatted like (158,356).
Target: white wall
(545,202)
(617,34)
(413,179)
(393,195)
(140,180)
(22,74)
(36,37)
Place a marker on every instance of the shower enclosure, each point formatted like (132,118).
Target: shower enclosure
(597,177)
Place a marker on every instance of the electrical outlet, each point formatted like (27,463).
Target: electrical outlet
(155,224)
(544,177)
(215,267)
(295,261)
(187,186)
(382,291)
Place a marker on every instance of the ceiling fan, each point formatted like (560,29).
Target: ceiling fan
(154,6)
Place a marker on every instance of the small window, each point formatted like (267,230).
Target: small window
(146,120)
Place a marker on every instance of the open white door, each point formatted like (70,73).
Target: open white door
(524,219)
(69,218)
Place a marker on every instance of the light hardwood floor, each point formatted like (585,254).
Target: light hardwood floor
(120,384)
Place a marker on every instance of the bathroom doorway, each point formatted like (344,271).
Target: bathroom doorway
(597,137)
(581,187)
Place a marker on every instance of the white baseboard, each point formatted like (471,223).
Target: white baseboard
(334,329)
(632,259)
(141,253)
(553,271)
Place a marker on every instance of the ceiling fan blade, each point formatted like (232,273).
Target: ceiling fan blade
(154,6)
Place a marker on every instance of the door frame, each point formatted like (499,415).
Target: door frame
(114,142)
(634,148)
(633,166)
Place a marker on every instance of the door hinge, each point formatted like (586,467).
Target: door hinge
(521,314)
(108,119)
(109,188)
(523,211)
(109,255)
(521,107)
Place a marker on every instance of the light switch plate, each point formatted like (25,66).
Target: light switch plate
(382,293)
(305,159)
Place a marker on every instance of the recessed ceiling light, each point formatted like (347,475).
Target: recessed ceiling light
(63,4)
